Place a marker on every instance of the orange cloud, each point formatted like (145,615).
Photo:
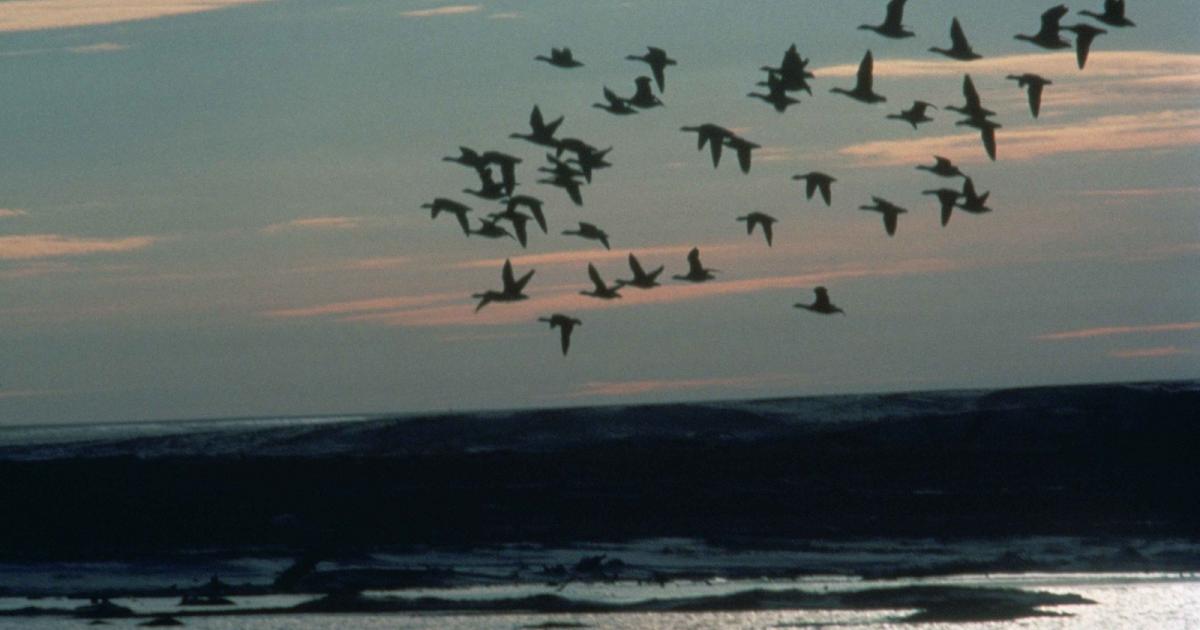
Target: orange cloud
(633,388)
(12,212)
(592,255)
(315,223)
(1138,64)
(1142,192)
(36,15)
(1088,333)
(454,9)
(1149,353)
(28,246)
(361,306)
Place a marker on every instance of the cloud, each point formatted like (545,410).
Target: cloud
(1150,353)
(314,223)
(12,212)
(510,15)
(29,246)
(36,15)
(453,9)
(102,47)
(591,255)
(362,306)
(1108,331)
(1103,65)
(647,386)
(1152,130)
(1141,192)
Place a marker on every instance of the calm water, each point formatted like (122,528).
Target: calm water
(1158,601)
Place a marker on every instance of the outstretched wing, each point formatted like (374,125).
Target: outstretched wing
(970,93)
(895,14)
(1051,18)
(889,222)
(519,285)
(596,279)
(1035,97)
(506,276)
(866,71)
(958,39)
(767,231)
(826,194)
(822,301)
(693,258)
(638,272)
(564,330)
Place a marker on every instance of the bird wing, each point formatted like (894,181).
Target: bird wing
(826,193)
(947,206)
(659,76)
(519,285)
(638,272)
(889,222)
(535,207)
(822,301)
(596,279)
(484,298)
(970,93)
(743,154)
(693,258)
(508,175)
(865,72)
(572,188)
(462,221)
(895,15)
(968,190)
(958,39)
(565,335)
(519,227)
(1083,43)
(604,240)
(612,97)
(714,147)
(767,231)
(536,123)
(1051,18)
(1035,97)
(749,223)
(989,141)
(506,275)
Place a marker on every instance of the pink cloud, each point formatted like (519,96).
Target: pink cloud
(1102,65)
(35,15)
(315,223)
(1150,353)
(29,246)
(361,306)
(12,212)
(1142,192)
(454,9)
(594,255)
(1108,331)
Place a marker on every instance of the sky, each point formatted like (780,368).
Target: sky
(212,208)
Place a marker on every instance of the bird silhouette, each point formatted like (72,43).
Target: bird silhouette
(641,279)
(760,219)
(567,183)
(511,291)
(815,181)
(601,290)
(442,204)
(914,115)
(942,167)
(574,145)
(507,165)
(589,161)
(489,188)
(712,135)
(987,132)
(696,271)
(891,212)
(565,325)
(743,147)
(960,48)
(1033,84)
(615,104)
(541,132)
(776,95)
(517,220)
(535,208)
(1084,35)
(561,58)
(973,107)
(863,90)
(467,157)
(891,26)
(1049,36)
(658,60)
(643,96)
(1114,14)
(792,71)
(822,304)
(490,229)
(589,231)
(948,197)
(972,202)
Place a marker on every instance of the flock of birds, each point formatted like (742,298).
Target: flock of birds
(577,170)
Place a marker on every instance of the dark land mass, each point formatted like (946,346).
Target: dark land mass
(1103,460)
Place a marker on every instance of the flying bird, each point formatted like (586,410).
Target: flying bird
(1033,84)
(914,115)
(1114,14)
(561,58)
(488,188)
(863,90)
(743,147)
(760,219)
(696,271)
(658,60)
(891,26)
(507,165)
(567,183)
(1084,34)
(591,160)
(535,208)
(511,291)
(712,135)
(973,107)
(822,304)
(792,71)
(948,197)
(490,229)
(972,202)
(960,48)
(891,212)
(776,95)
(815,181)
(641,279)
(541,132)
(565,325)
(987,132)
(643,97)
(942,167)
(601,290)
(517,220)
(615,104)
(1049,36)
(442,204)
(467,157)
(589,231)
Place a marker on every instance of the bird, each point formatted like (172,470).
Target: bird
(960,48)
(1114,14)
(712,135)
(589,231)
(518,221)
(490,229)
(643,97)
(641,279)
(615,104)
(658,60)
(948,197)
(914,115)
(760,219)
(792,71)
(511,291)
(535,208)
(822,304)
(1049,37)
(987,132)
(565,324)
(561,58)
(817,181)
(973,106)
(467,157)
(601,290)
(891,26)
(591,160)
(442,204)
(1084,34)
(891,212)
(541,132)
(574,145)
(1033,84)
(942,167)
(863,87)
(972,202)
(743,148)
(488,188)
(776,95)
(507,165)
(696,271)
(567,183)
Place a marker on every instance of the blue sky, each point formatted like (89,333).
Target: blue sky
(214,209)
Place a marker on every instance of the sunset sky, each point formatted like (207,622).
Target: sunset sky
(212,208)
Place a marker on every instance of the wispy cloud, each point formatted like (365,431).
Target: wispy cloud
(1150,353)
(12,212)
(101,47)
(1142,192)
(364,306)
(35,269)
(1108,331)
(314,223)
(453,9)
(1142,64)
(570,257)
(649,386)
(508,15)
(36,15)
(29,246)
